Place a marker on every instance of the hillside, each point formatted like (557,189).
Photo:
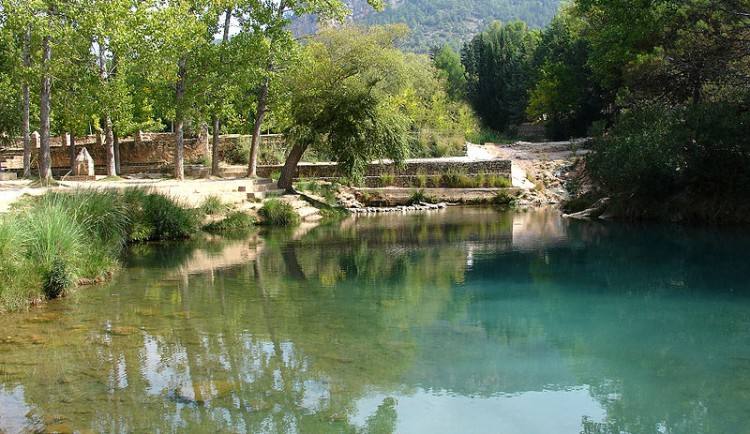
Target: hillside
(434,22)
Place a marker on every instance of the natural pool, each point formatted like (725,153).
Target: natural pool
(463,321)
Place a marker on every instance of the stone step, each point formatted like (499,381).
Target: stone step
(308,211)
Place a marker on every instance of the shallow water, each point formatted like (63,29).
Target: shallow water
(463,321)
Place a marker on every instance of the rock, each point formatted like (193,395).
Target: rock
(595,211)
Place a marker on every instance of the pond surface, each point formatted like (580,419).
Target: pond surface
(463,321)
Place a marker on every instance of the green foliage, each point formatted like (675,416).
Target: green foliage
(566,96)
(499,73)
(455,179)
(236,222)
(387,179)
(333,214)
(278,213)
(166,219)
(355,97)
(420,196)
(448,62)
(213,205)
(49,242)
(505,199)
(658,150)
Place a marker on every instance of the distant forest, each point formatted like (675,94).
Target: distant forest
(434,23)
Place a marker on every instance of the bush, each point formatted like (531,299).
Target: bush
(167,220)
(51,242)
(455,178)
(387,180)
(421,180)
(505,199)
(238,152)
(642,153)
(278,213)
(213,205)
(419,196)
(235,223)
(54,246)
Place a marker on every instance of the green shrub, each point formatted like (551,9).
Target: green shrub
(278,213)
(333,214)
(17,282)
(168,220)
(234,222)
(213,205)
(238,152)
(505,199)
(54,246)
(102,214)
(387,179)
(497,181)
(421,180)
(455,178)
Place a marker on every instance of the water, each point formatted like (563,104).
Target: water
(465,321)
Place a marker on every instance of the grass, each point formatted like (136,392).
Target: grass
(213,205)
(454,178)
(50,243)
(333,214)
(236,222)
(387,179)
(278,213)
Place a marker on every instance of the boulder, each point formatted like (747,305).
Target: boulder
(84,164)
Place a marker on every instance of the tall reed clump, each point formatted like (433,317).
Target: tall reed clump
(52,242)
(278,213)
(155,217)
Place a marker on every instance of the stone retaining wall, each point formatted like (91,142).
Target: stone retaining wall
(146,152)
(412,168)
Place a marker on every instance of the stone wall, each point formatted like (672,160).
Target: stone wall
(144,152)
(412,168)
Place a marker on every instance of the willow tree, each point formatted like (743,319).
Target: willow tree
(346,100)
(269,20)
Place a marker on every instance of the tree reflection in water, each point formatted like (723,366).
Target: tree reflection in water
(296,331)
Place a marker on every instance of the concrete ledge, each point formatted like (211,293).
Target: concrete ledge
(8,176)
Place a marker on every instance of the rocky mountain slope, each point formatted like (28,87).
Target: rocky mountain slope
(435,22)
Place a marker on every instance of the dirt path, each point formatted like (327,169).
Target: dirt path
(538,168)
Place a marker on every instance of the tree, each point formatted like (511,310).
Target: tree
(269,19)
(179,34)
(345,100)
(499,73)
(566,96)
(452,70)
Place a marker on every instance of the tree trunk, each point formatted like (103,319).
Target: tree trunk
(109,145)
(260,114)
(216,121)
(215,147)
(116,140)
(26,129)
(45,160)
(179,155)
(290,167)
(72,152)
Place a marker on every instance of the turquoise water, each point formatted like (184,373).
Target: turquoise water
(464,321)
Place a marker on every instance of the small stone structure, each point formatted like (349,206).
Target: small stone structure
(84,167)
